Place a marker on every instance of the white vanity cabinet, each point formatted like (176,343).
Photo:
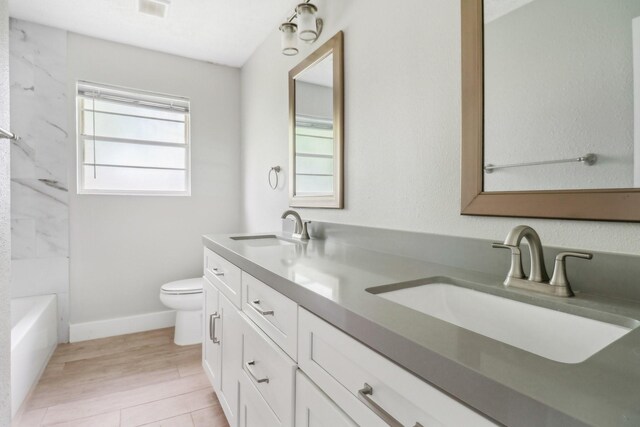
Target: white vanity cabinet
(222,349)
(371,389)
(315,409)
(254,410)
(275,364)
(230,358)
(211,344)
(274,313)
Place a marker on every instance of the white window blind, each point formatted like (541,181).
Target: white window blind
(132,142)
(314,156)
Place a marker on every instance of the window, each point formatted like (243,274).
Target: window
(314,156)
(132,142)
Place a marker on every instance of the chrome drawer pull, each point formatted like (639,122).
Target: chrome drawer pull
(256,305)
(212,327)
(217,271)
(363,396)
(248,365)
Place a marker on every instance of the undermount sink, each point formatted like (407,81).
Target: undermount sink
(552,334)
(263,240)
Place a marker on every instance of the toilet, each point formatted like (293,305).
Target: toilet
(185,297)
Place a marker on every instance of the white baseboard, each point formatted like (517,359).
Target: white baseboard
(121,326)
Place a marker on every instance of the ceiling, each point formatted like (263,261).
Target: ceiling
(221,31)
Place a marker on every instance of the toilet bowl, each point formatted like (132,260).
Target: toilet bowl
(185,297)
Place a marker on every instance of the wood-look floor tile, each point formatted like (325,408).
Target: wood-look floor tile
(192,367)
(93,383)
(30,418)
(168,408)
(52,396)
(110,419)
(123,399)
(209,417)
(179,421)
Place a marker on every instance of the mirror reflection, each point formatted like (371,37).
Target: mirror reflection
(561,94)
(314,135)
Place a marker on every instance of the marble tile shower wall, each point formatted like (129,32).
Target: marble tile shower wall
(39,164)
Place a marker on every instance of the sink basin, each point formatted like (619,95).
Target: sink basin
(263,240)
(552,334)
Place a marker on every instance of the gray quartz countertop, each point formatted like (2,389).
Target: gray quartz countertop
(510,385)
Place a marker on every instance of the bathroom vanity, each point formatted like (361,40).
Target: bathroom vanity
(300,333)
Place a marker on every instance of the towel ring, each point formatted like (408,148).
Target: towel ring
(275,169)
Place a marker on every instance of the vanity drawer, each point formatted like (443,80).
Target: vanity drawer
(224,275)
(314,408)
(270,371)
(254,410)
(274,313)
(364,383)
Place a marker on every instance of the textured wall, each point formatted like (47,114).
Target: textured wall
(123,248)
(573,83)
(5,231)
(39,165)
(402,152)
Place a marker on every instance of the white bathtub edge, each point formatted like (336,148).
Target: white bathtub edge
(34,338)
(121,326)
(18,414)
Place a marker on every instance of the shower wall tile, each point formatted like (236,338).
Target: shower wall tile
(38,101)
(23,238)
(39,160)
(39,165)
(39,276)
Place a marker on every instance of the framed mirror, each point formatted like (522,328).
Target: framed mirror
(316,128)
(551,109)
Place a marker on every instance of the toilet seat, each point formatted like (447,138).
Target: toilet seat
(183,287)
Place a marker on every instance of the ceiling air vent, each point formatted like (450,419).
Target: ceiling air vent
(154,7)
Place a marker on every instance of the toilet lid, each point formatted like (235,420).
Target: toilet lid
(187,286)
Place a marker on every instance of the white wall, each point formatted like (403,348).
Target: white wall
(573,82)
(123,248)
(402,141)
(5,231)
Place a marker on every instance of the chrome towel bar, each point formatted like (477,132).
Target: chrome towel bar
(588,159)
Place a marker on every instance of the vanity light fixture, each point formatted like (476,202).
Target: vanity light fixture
(307,29)
(288,39)
(307,21)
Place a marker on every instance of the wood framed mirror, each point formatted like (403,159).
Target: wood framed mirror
(316,128)
(488,52)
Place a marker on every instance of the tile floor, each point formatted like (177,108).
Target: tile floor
(132,380)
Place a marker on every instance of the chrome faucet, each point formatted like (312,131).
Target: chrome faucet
(538,279)
(300,231)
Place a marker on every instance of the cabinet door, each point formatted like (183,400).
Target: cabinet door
(211,347)
(315,409)
(230,359)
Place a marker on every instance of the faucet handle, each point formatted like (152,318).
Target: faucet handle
(563,255)
(559,277)
(516,260)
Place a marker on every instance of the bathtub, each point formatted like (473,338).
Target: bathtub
(34,336)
